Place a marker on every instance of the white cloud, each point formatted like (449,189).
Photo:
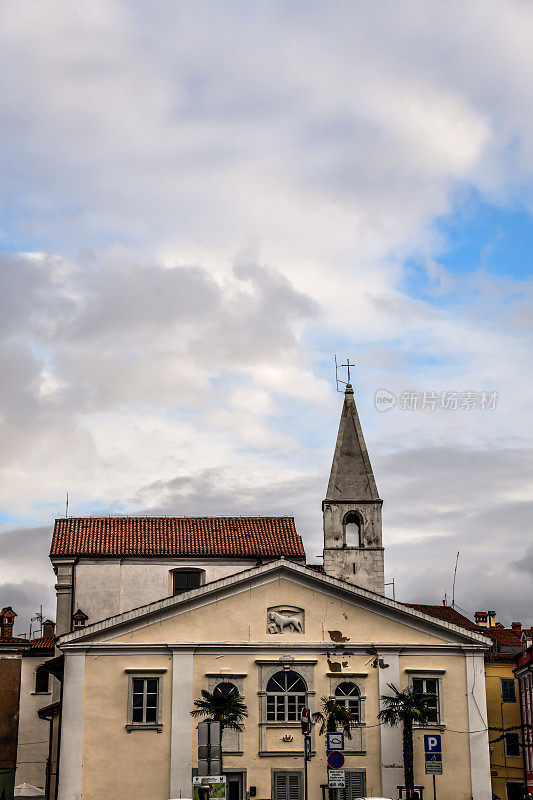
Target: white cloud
(145,365)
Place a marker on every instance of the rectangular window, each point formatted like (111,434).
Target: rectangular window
(287,786)
(429,686)
(144,701)
(355,783)
(512,744)
(508,690)
(184,580)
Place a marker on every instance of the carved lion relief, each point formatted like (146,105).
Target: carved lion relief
(285,619)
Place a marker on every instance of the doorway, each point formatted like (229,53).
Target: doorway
(234,785)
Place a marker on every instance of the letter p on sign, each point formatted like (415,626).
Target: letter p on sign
(432,743)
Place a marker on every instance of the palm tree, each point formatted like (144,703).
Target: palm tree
(224,705)
(334,715)
(406,707)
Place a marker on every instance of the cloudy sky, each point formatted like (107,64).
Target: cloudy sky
(202,203)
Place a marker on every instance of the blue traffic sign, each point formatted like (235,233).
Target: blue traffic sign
(432,744)
(334,741)
(335,760)
(433,756)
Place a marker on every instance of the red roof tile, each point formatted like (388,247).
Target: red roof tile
(11,639)
(504,636)
(261,537)
(447,614)
(44,642)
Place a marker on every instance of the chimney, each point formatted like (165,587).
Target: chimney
(481,618)
(492,619)
(516,626)
(7,620)
(48,628)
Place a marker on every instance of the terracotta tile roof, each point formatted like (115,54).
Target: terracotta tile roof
(447,614)
(45,642)
(503,636)
(11,639)
(261,537)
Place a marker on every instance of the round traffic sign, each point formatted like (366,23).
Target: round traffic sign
(335,759)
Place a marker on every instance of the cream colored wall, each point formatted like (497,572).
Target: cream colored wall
(118,764)
(242,617)
(455,743)
(32,747)
(134,766)
(259,768)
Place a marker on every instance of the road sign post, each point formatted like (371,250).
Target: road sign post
(433,757)
(305,720)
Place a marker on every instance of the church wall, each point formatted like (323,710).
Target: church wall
(131,766)
(243,617)
(105,587)
(118,764)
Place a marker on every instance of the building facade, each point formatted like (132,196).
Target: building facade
(151,611)
(524,675)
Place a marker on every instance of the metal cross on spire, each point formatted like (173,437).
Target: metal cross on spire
(342,366)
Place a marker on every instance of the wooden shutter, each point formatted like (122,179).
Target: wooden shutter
(355,783)
(286,786)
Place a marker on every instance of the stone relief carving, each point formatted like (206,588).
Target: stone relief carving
(285,619)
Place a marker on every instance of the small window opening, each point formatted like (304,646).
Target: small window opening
(42,679)
(186,579)
(352,530)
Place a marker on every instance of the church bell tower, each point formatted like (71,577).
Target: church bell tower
(353,548)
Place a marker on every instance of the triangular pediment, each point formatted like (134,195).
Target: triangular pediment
(239,609)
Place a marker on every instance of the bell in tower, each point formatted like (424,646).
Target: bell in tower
(353,548)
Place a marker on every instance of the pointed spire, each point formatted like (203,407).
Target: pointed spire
(351,475)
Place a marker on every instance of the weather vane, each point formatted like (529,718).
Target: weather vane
(342,366)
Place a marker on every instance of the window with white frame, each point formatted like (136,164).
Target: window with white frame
(431,687)
(347,694)
(144,699)
(286,695)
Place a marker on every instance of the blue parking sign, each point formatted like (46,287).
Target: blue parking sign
(432,744)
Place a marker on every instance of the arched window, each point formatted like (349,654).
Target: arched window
(286,693)
(225,688)
(42,681)
(348,695)
(352,530)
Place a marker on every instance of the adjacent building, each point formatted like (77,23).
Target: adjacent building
(524,675)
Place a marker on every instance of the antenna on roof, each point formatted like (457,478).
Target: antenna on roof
(454,576)
(37,618)
(66,508)
(342,366)
(391,583)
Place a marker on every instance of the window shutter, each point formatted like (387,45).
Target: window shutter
(294,785)
(287,786)
(280,786)
(355,783)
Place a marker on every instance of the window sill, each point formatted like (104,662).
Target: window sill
(41,694)
(431,726)
(146,726)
